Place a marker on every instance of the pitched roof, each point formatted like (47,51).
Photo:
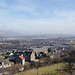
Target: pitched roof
(28,52)
(21,57)
(6,61)
(18,53)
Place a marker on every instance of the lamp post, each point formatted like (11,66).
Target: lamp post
(37,70)
(57,66)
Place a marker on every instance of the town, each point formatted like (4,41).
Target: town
(37,37)
(18,55)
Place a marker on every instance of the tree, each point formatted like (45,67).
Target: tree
(49,50)
(69,68)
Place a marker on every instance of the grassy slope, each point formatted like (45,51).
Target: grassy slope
(41,70)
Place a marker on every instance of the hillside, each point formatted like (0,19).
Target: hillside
(41,70)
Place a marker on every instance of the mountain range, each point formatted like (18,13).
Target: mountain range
(8,33)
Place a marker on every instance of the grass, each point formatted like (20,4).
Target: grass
(42,70)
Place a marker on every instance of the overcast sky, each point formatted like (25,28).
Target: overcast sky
(38,16)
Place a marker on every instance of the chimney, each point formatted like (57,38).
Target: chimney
(2,63)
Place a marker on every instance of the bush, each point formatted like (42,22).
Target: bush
(27,66)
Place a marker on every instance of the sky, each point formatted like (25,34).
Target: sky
(38,16)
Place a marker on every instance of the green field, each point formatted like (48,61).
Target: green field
(42,70)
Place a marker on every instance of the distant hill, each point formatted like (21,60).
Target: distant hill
(8,33)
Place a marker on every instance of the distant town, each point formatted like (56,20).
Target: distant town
(20,54)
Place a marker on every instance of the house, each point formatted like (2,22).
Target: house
(18,59)
(53,55)
(48,54)
(42,54)
(5,63)
(29,56)
(16,54)
(8,54)
(21,57)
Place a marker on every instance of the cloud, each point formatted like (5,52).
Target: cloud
(18,5)
(41,8)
